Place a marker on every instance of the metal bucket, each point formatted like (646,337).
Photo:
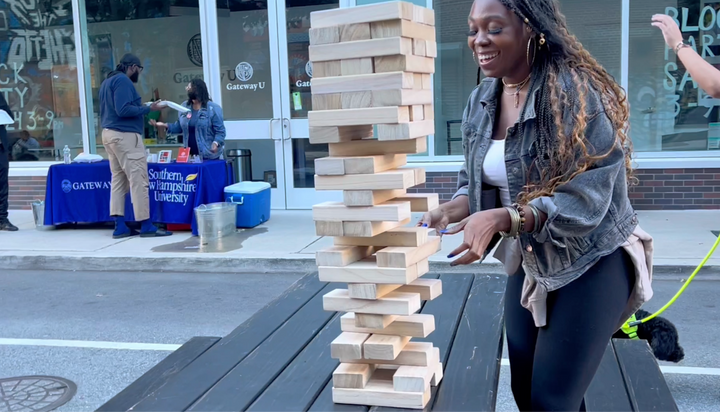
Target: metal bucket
(215,221)
(38,209)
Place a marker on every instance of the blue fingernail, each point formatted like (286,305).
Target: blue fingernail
(424,225)
(444,231)
(451,256)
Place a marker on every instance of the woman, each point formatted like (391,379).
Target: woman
(202,126)
(546,129)
(706,76)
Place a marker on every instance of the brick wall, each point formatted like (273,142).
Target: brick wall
(25,190)
(658,189)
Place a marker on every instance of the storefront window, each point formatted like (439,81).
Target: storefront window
(165,36)
(668,110)
(245,72)
(38,78)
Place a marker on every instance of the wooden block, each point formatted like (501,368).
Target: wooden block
(401,97)
(438,372)
(362,14)
(324,35)
(349,67)
(367,271)
(373,164)
(373,321)
(402,257)
(370,229)
(343,255)
(431,48)
(327,101)
(373,147)
(394,303)
(400,63)
(402,28)
(426,82)
(405,131)
(428,289)
(370,291)
(429,111)
(420,202)
(329,229)
(381,393)
(352,375)
(320,135)
(353,32)
(390,211)
(424,15)
(410,378)
(419,47)
(416,325)
(391,46)
(402,237)
(330,166)
(413,354)
(359,82)
(387,180)
(358,117)
(417,113)
(356,100)
(329,69)
(371,197)
(384,347)
(348,345)
(420,174)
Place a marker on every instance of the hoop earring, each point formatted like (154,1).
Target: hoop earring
(530,63)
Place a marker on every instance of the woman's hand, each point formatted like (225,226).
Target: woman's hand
(669,28)
(478,228)
(155,123)
(214,147)
(436,219)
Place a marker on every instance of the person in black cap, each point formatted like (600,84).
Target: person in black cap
(122,116)
(4,169)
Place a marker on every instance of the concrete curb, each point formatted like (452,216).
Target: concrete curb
(184,264)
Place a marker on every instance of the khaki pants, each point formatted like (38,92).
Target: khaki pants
(128,164)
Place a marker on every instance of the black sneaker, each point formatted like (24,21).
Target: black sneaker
(6,225)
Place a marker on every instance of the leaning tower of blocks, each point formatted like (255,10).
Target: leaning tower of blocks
(373,105)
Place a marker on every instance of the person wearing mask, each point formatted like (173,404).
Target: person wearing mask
(4,170)
(202,126)
(122,120)
(705,74)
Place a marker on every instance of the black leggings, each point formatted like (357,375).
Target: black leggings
(552,367)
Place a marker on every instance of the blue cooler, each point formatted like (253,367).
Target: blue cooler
(252,200)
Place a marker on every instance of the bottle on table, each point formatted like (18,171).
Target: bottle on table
(66,155)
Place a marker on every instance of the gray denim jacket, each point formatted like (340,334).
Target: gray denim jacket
(588,218)
(210,128)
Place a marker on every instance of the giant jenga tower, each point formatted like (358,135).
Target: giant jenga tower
(371,68)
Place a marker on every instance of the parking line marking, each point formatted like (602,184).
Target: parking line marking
(668,369)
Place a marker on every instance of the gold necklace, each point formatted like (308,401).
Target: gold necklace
(518,87)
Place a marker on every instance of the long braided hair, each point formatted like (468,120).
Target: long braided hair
(558,54)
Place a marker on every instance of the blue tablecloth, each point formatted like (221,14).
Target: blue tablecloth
(80,192)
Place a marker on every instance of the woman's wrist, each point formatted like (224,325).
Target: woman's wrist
(456,209)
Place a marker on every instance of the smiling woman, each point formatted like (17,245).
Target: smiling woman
(547,169)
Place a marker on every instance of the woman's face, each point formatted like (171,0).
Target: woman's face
(498,38)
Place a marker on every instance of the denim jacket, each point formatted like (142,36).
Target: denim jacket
(587,218)
(210,128)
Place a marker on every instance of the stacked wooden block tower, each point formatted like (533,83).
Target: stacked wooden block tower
(371,68)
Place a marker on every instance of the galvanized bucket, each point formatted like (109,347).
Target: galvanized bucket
(215,221)
(38,209)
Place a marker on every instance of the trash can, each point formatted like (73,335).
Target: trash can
(215,221)
(38,209)
(242,164)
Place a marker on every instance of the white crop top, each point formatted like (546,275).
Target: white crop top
(494,172)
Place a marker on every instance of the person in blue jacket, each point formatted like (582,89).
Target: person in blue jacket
(202,126)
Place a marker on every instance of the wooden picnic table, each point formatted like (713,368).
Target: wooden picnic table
(279,359)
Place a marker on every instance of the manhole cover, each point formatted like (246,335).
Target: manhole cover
(35,393)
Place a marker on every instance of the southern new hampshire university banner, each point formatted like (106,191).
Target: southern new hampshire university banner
(80,192)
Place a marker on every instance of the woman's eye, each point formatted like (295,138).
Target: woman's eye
(472,33)
(494,31)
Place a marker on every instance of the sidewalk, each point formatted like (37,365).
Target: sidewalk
(287,242)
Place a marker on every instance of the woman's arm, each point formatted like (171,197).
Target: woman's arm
(707,76)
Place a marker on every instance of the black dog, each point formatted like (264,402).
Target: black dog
(662,336)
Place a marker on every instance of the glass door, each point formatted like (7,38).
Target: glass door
(296,101)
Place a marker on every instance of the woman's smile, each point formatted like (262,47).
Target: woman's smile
(487,58)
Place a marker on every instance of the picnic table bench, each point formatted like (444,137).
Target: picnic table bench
(279,359)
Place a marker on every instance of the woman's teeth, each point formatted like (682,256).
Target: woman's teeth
(484,58)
